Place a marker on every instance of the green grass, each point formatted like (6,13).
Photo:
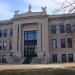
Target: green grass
(37,72)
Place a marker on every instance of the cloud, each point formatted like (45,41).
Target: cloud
(5,11)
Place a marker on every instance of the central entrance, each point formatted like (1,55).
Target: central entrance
(30,43)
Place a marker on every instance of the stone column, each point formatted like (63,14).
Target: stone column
(20,40)
(39,40)
(15,36)
(45,38)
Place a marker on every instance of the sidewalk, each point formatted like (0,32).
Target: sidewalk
(70,66)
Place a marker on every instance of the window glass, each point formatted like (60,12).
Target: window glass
(70,57)
(30,41)
(11,32)
(54,43)
(5,32)
(35,35)
(69,43)
(10,45)
(63,43)
(68,28)
(54,57)
(53,28)
(30,35)
(4,46)
(63,57)
(62,29)
(25,35)
(0,58)
(3,58)
(1,33)
(0,45)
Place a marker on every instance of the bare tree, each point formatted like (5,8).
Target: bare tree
(65,7)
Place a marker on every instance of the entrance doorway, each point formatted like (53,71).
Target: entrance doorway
(30,43)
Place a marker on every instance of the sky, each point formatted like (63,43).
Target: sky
(7,7)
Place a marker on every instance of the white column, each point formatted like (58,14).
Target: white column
(39,40)
(20,40)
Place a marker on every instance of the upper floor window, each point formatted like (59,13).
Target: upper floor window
(0,58)
(62,28)
(10,45)
(1,45)
(4,45)
(54,43)
(11,32)
(53,29)
(63,43)
(1,33)
(68,28)
(69,43)
(30,35)
(5,32)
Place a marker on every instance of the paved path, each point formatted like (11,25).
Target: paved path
(37,66)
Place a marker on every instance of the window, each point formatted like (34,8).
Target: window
(54,43)
(1,33)
(54,57)
(63,44)
(35,35)
(4,58)
(4,46)
(69,43)
(11,32)
(68,28)
(0,46)
(63,57)
(70,57)
(62,29)
(5,32)
(30,42)
(10,45)
(0,58)
(25,35)
(30,35)
(53,29)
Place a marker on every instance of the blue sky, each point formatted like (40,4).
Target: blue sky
(7,7)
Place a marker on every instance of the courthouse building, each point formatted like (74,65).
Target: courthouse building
(37,38)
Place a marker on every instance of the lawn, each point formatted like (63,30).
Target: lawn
(46,71)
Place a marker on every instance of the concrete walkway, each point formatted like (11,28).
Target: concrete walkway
(38,66)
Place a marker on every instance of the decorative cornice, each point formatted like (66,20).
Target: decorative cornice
(62,16)
(29,17)
(6,22)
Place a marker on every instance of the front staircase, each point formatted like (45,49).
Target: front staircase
(27,60)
